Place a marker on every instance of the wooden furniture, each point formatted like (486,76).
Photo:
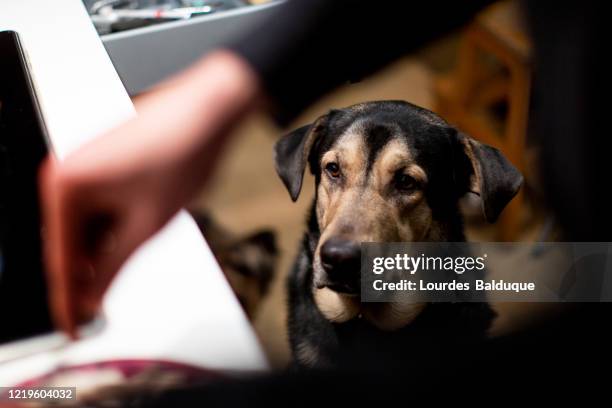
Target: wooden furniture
(493,69)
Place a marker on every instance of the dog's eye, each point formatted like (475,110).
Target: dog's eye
(333,169)
(404,182)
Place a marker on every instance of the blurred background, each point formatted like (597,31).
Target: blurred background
(477,78)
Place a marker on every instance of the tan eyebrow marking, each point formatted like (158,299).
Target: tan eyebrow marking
(329,156)
(349,153)
(416,172)
(396,156)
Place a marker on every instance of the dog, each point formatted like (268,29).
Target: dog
(248,261)
(384,171)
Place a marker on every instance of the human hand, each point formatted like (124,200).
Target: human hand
(108,197)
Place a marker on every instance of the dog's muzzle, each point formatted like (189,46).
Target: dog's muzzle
(341,260)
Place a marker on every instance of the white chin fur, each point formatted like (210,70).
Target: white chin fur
(339,308)
(336,307)
(391,316)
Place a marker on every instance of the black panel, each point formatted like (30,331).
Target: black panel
(23,298)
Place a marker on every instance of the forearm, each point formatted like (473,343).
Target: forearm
(310,46)
(200,107)
(204,98)
(180,129)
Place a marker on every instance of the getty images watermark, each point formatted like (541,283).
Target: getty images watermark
(475,272)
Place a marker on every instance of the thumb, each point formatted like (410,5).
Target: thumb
(58,250)
(119,239)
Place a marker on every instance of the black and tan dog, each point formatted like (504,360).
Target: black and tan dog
(248,261)
(385,171)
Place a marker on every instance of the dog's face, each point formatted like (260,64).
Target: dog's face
(385,172)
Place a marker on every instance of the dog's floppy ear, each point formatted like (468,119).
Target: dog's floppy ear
(491,176)
(291,154)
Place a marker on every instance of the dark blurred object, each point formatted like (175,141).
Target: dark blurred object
(248,262)
(23,146)
(570,117)
(493,71)
(111,16)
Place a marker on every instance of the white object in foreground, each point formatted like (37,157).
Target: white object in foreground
(170,301)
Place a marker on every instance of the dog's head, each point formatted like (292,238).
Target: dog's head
(385,171)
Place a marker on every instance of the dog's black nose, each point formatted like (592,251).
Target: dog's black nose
(341,260)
